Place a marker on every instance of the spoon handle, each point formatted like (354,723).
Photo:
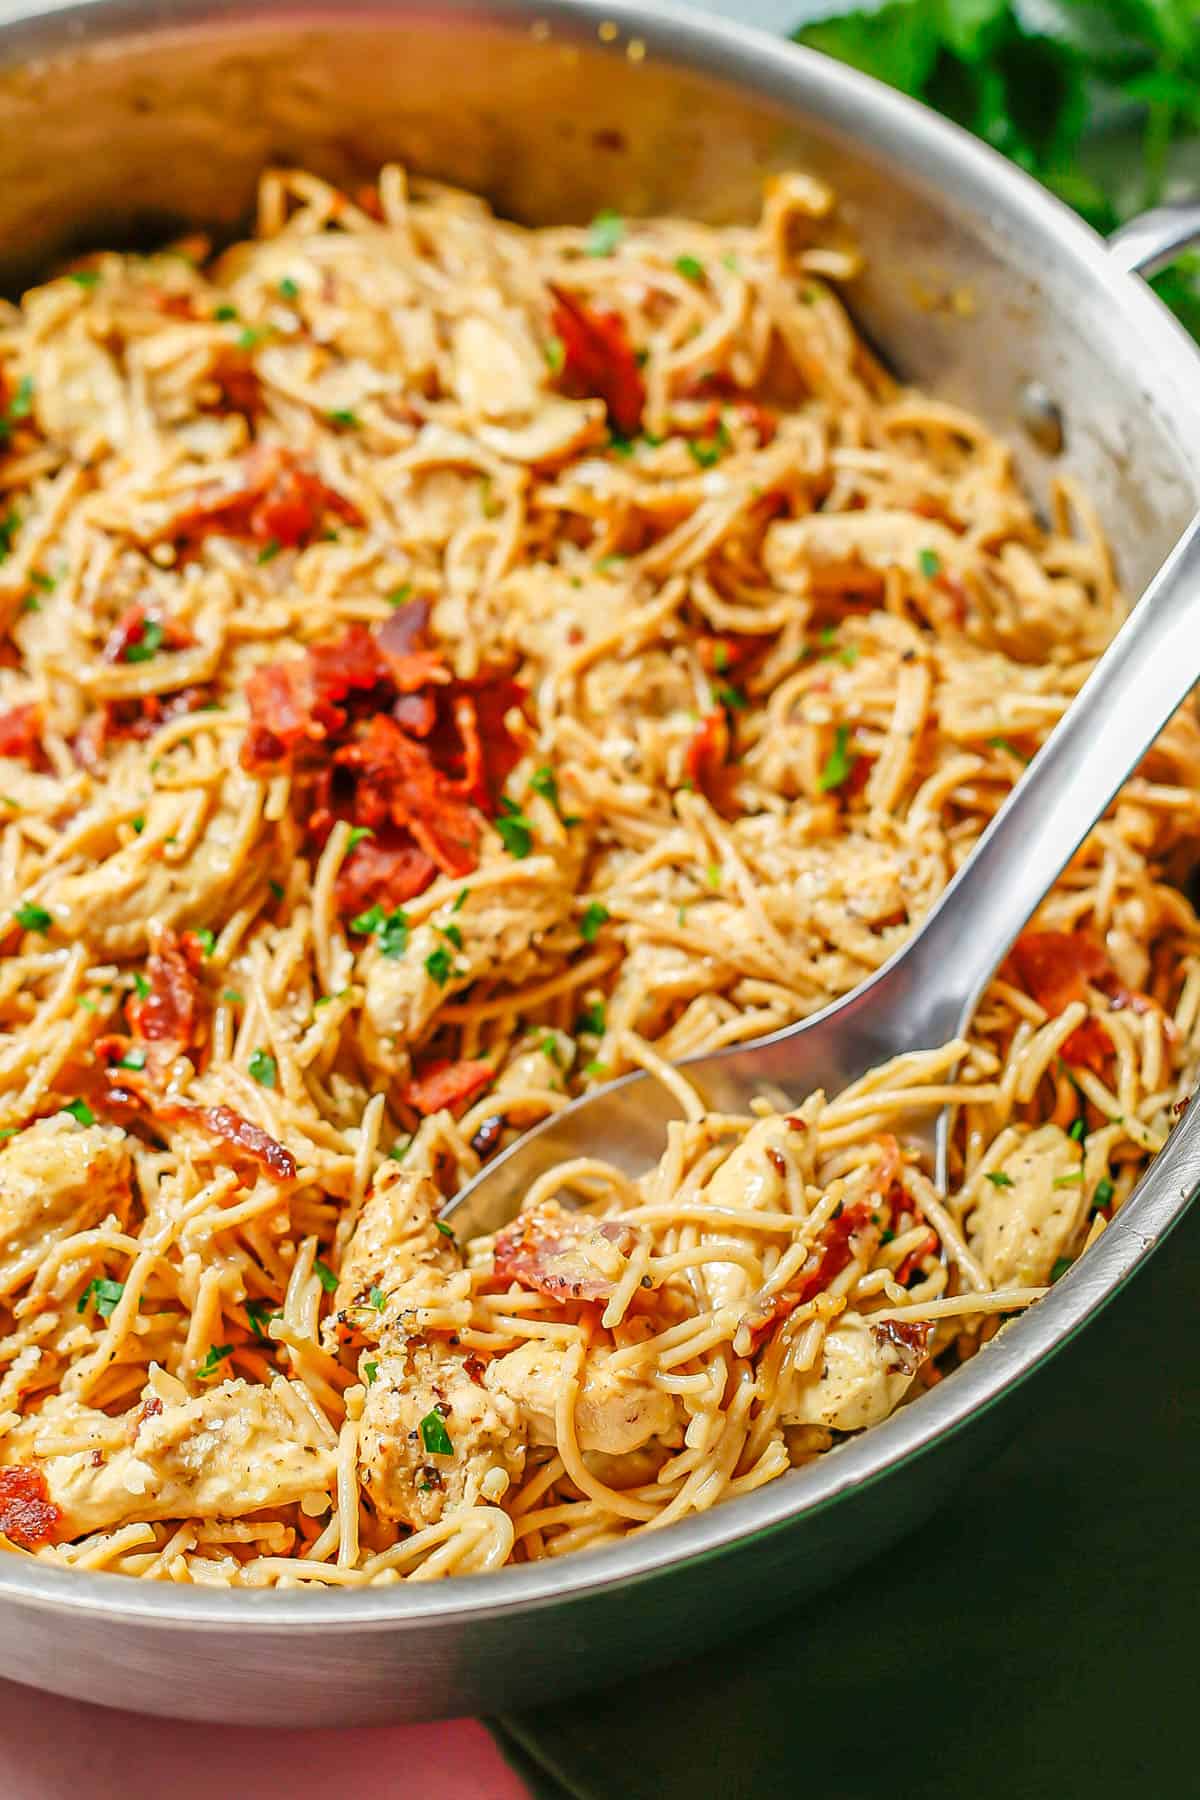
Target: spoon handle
(1143,677)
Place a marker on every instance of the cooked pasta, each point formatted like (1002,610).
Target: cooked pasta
(446,665)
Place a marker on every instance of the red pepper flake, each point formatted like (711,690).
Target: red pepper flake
(445,1085)
(598,360)
(28,1516)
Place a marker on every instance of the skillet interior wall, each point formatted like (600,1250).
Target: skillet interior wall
(114,124)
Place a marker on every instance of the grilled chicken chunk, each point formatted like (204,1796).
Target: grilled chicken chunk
(227,1452)
(614,1413)
(56,1177)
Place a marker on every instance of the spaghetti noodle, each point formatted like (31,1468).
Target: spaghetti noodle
(446,665)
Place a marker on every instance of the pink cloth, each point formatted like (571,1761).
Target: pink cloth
(52,1749)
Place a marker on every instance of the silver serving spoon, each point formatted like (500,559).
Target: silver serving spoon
(927,993)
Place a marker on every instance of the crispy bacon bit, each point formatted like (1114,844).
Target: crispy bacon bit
(1056,968)
(445,1085)
(252,1146)
(234,375)
(367,200)
(169,1014)
(382,871)
(277,501)
(834,1249)
(474,1367)
(708,752)
(564,1255)
(598,360)
(21,733)
(28,1516)
(382,734)
(906,1340)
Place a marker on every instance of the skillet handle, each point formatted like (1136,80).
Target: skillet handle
(1148,243)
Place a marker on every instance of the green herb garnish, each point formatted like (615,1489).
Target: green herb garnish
(31,917)
(132,1059)
(594,916)
(604,233)
(147,645)
(929,563)
(325,1275)
(439,966)
(105,1293)
(370,1370)
(260,1315)
(80,1111)
(690,268)
(434,1435)
(516,832)
(216,1355)
(378,1299)
(269,551)
(262,1068)
(357,834)
(1062,1264)
(998,1178)
(593,1018)
(839,762)
(206,939)
(288,288)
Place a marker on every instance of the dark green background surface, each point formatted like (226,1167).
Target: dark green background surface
(1038,1637)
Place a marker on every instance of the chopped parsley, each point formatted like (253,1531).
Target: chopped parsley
(357,834)
(216,1355)
(41,580)
(269,551)
(231,996)
(604,233)
(441,1225)
(1077,1130)
(378,1299)
(593,1018)
(325,1275)
(516,833)
(593,918)
(31,917)
(620,445)
(400,596)
(400,1149)
(344,417)
(276,888)
(451,933)
(263,1068)
(460,900)
(81,1112)
(9,526)
(206,939)
(84,278)
(848,655)
(713,875)
(1060,1268)
(544,782)
(998,1178)
(1104,1192)
(434,1435)
(929,563)
(370,1370)
(225,313)
(1075,1179)
(704,452)
(839,762)
(730,697)
(288,288)
(132,1059)
(22,401)
(730,261)
(260,1315)
(598,1070)
(251,337)
(368,922)
(1003,743)
(555,353)
(105,1293)
(550,1050)
(690,268)
(141,987)
(139,824)
(439,965)
(147,645)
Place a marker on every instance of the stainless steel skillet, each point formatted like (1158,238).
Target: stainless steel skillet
(120,114)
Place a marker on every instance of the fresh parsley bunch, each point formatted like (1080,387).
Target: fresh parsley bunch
(1100,99)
